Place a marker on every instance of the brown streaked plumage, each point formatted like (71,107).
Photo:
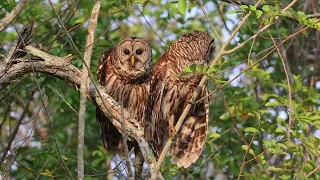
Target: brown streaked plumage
(169,94)
(124,72)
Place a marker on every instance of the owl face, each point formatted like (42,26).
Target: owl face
(132,57)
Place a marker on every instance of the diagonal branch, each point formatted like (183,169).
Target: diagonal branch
(12,15)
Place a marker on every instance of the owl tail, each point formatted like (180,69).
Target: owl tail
(111,138)
(188,146)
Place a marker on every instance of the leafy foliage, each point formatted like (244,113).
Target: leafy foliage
(262,124)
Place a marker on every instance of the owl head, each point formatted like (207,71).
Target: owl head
(195,48)
(132,58)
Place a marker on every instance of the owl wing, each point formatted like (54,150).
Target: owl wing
(190,141)
(153,122)
(111,137)
(102,66)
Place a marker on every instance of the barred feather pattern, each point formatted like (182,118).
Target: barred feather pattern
(130,91)
(169,95)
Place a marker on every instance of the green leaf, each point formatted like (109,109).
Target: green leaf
(279,130)
(252,8)
(315,118)
(96,162)
(266,8)
(300,176)
(246,148)
(275,169)
(244,7)
(205,69)
(212,70)
(199,68)
(213,135)
(251,129)
(225,116)
(190,69)
(284,177)
(182,6)
(234,11)
(259,13)
(273,103)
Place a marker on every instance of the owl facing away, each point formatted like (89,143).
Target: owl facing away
(169,95)
(124,72)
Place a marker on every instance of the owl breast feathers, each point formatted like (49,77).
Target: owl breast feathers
(169,94)
(124,72)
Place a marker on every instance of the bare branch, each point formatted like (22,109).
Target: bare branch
(84,87)
(10,17)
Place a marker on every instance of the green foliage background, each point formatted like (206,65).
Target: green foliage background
(249,117)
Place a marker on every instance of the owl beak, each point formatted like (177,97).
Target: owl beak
(132,61)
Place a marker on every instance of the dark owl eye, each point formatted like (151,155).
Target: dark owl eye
(126,51)
(138,51)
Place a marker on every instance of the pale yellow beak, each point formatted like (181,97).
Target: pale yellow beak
(132,61)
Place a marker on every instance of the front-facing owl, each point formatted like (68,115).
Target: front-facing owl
(170,93)
(124,72)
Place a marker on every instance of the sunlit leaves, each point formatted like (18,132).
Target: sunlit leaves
(251,130)
(252,9)
(182,6)
(275,169)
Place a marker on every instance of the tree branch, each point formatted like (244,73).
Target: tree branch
(10,17)
(84,87)
(62,68)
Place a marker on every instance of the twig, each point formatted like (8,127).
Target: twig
(211,25)
(64,99)
(151,27)
(15,131)
(247,151)
(6,113)
(84,87)
(195,95)
(313,171)
(256,62)
(221,16)
(39,173)
(259,31)
(12,15)
(43,104)
(289,87)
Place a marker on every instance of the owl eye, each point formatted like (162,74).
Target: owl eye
(126,51)
(138,51)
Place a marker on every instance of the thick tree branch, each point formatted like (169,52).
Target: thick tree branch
(62,68)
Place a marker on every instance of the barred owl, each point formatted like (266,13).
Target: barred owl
(170,93)
(124,72)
